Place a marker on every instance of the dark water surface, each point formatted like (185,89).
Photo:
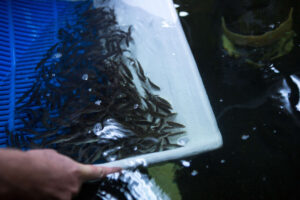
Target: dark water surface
(256,109)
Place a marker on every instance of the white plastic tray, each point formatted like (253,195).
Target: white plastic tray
(162,49)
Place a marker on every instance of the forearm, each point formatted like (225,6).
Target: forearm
(43,174)
(11,162)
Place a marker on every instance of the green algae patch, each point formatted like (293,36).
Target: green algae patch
(164,176)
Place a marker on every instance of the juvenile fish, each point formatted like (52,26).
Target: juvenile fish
(174,124)
(155,87)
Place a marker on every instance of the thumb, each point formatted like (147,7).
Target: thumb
(90,172)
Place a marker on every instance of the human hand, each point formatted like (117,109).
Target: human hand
(44,174)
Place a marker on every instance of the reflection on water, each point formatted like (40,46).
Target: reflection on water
(296,80)
(285,92)
(132,185)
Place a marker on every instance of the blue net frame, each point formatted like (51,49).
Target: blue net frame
(28,28)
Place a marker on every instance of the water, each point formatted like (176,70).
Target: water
(261,132)
(260,156)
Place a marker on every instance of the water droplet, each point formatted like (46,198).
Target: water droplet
(176,5)
(90,89)
(185,163)
(135,106)
(245,137)
(53,75)
(274,131)
(57,55)
(183,13)
(222,161)
(98,102)
(206,166)
(85,77)
(48,94)
(135,148)
(112,158)
(221,100)
(254,128)
(165,24)
(97,129)
(274,69)
(272,26)
(89,131)
(194,173)
(141,161)
(183,141)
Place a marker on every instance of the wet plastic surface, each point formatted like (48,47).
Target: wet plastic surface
(161,47)
(29,29)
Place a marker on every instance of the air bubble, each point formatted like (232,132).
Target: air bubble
(183,13)
(98,102)
(182,141)
(57,55)
(245,137)
(194,173)
(185,163)
(97,129)
(85,77)
(111,158)
(272,26)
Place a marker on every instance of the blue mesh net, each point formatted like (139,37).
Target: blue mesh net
(27,30)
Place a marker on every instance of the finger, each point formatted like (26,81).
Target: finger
(91,172)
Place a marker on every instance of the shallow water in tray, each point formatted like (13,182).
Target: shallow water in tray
(92,99)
